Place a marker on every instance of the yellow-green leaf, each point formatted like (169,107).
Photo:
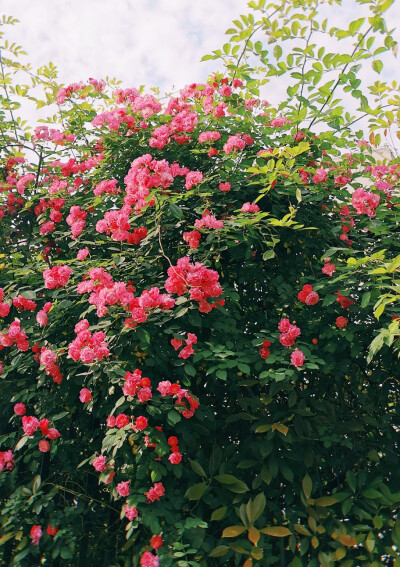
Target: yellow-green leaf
(233,531)
(219,551)
(276,531)
(325,501)
(307,486)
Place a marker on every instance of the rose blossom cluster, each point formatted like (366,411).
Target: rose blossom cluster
(76,220)
(15,336)
(66,92)
(149,560)
(54,205)
(30,424)
(6,460)
(188,349)
(201,282)
(208,221)
(184,121)
(237,142)
(48,359)
(108,186)
(104,291)
(51,135)
(145,174)
(41,316)
(149,299)
(56,277)
(136,385)
(365,202)
(344,301)
(264,350)
(155,492)
(4,307)
(289,333)
(192,238)
(23,304)
(87,347)
(122,420)
(328,267)
(167,389)
(175,457)
(307,295)
(250,208)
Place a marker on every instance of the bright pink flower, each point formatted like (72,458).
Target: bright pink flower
(44,446)
(365,202)
(123,488)
(111,421)
(186,352)
(85,395)
(82,253)
(99,463)
(155,492)
(56,277)
(193,178)
(121,420)
(250,208)
(312,298)
(20,409)
(297,358)
(41,318)
(328,269)
(36,533)
(29,425)
(149,560)
(144,395)
(224,187)
(175,458)
(208,221)
(130,512)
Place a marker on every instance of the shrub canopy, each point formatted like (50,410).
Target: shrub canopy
(199,309)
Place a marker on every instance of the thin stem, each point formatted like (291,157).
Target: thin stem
(328,98)
(8,98)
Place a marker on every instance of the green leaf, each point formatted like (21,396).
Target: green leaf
(173,417)
(233,531)
(276,531)
(176,211)
(226,478)
(269,254)
(219,551)
(307,486)
(197,468)
(196,491)
(219,513)
(377,66)
(257,507)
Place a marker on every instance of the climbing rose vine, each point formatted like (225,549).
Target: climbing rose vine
(199,310)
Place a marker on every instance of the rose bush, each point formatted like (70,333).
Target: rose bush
(200,318)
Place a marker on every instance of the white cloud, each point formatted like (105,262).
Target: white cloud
(142,42)
(158,43)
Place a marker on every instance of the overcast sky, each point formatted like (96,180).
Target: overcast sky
(143,42)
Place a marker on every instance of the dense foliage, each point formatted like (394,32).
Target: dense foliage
(199,310)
